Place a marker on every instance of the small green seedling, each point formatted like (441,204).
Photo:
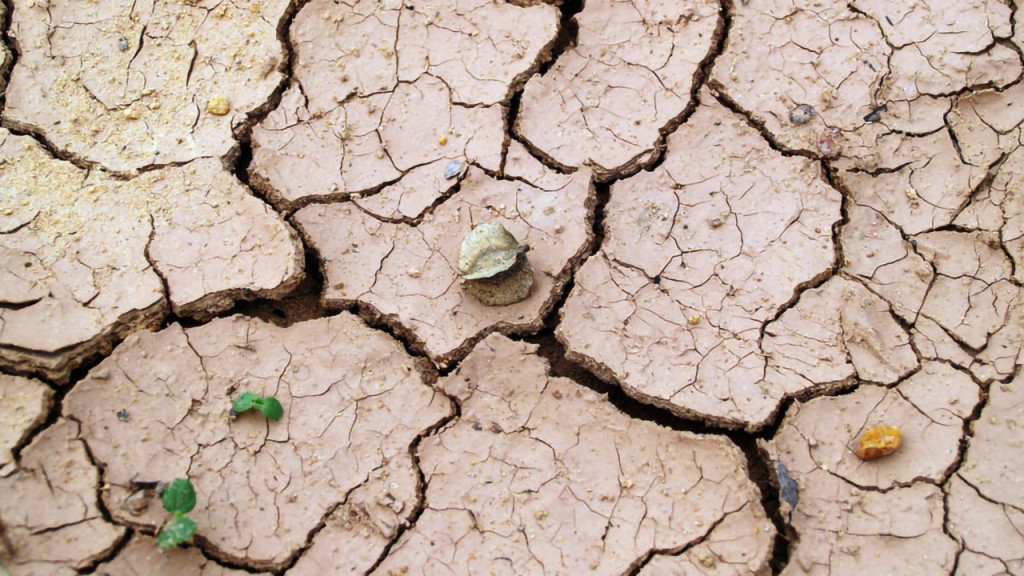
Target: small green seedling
(179,498)
(248,400)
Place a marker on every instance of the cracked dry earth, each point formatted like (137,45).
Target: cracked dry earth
(757,229)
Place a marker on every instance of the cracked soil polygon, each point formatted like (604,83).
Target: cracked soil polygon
(384,87)
(540,475)
(127,84)
(50,515)
(354,401)
(24,405)
(972,292)
(84,257)
(882,516)
(999,208)
(920,184)
(359,531)
(846,60)
(693,265)
(880,75)
(986,503)
(730,549)
(875,253)
(407,272)
(987,124)
(630,74)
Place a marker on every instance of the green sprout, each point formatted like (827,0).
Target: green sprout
(248,400)
(179,498)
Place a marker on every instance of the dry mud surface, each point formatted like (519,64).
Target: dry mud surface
(757,229)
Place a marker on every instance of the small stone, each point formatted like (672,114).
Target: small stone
(802,114)
(879,441)
(122,44)
(876,114)
(694,320)
(414,272)
(455,169)
(787,486)
(442,140)
(827,144)
(706,559)
(715,222)
(122,415)
(218,106)
(137,503)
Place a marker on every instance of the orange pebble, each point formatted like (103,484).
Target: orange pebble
(879,441)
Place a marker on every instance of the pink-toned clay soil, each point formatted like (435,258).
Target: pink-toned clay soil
(127,85)
(986,504)
(382,88)
(24,405)
(52,520)
(574,116)
(407,272)
(756,230)
(882,516)
(729,549)
(141,557)
(540,475)
(693,268)
(354,400)
(86,259)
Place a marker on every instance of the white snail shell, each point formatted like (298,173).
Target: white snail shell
(494,267)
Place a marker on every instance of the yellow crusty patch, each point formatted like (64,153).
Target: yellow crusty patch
(218,105)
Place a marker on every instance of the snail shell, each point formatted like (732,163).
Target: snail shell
(494,267)
(488,250)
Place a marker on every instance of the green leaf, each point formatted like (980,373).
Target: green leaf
(271,408)
(179,496)
(177,531)
(244,402)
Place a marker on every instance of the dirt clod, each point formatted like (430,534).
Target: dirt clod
(785,237)
(573,115)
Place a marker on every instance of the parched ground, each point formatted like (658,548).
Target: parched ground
(757,229)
